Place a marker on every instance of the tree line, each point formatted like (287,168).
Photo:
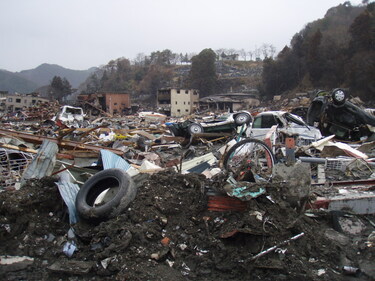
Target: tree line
(326,54)
(336,51)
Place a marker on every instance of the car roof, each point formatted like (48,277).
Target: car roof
(271,113)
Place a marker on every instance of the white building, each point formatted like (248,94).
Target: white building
(17,102)
(177,102)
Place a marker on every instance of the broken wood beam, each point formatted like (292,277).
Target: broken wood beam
(61,143)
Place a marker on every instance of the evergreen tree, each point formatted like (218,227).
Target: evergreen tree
(202,74)
(313,61)
(59,88)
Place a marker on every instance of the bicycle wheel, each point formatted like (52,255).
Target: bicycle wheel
(250,158)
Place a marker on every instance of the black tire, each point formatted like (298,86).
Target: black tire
(250,155)
(116,180)
(195,128)
(338,97)
(242,118)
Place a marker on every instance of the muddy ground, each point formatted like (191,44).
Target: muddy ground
(169,233)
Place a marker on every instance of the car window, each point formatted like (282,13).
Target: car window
(293,119)
(265,121)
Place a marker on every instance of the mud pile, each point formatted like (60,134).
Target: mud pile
(169,233)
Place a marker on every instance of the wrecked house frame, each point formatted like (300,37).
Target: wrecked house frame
(108,102)
(229,101)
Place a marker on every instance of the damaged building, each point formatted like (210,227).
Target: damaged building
(177,102)
(229,101)
(109,102)
(17,102)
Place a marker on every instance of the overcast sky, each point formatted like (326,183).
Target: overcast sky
(79,34)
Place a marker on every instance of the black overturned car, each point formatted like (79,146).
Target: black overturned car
(333,114)
(227,122)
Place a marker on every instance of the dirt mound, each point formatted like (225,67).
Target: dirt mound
(168,233)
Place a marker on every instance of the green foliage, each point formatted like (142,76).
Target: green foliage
(59,88)
(203,73)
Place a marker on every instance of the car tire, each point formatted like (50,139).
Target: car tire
(242,118)
(338,97)
(112,179)
(195,128)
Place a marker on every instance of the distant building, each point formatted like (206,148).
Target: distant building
(231,57)
(110,102)
(18,102)
(229,101)
(177,102)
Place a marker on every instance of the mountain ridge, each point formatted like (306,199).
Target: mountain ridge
(26,81)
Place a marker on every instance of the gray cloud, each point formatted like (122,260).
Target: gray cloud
(79,34)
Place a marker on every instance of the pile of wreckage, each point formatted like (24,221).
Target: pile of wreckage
(218,197)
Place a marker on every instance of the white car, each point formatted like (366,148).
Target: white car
(287,124)
(70,115)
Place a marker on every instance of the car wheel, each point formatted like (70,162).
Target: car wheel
(242,118)
(195,128)
(338,96)
(120,191)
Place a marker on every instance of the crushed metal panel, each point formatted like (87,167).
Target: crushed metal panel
(191,164)
(111,160)
(358,203)
(43,163)
(68,192)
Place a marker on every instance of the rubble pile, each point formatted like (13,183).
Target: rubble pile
(169,233)
(146,197)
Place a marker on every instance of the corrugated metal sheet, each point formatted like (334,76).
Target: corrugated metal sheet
(69,192)
(43,163)
(111,160)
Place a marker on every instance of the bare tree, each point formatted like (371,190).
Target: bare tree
(250,53)
(175,58)
(243,54)
(231,51)
(219,52)
(257,52)
(264,50)
(272,50)
(140,59)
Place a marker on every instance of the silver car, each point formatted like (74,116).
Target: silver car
(286,124)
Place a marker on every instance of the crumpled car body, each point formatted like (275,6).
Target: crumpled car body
(70,115)
(287,124)
(227,122)
(346,120)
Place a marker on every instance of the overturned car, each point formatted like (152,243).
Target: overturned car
(333,114)
(224,123)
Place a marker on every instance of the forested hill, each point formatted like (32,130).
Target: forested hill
(27,81)
(43,74)
(13,83)
(336,51)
